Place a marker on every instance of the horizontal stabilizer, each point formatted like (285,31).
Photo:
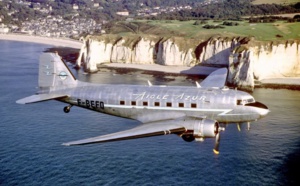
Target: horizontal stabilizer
(40,97)
(146,130)
(215,79)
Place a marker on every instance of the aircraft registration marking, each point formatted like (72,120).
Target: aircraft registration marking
(90,103)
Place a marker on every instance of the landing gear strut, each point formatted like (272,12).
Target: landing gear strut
(67,108)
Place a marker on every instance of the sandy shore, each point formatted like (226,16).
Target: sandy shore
(283,81)
(42,40)
(166,69)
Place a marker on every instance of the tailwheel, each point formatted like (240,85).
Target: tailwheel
(67,108)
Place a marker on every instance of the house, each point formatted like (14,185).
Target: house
(123,13)
(4,30)
(75,7)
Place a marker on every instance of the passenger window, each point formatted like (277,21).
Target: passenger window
(181,104)
(193,105)
(122,102)
(133,103)
(145,103)
(169,104)
(156,104)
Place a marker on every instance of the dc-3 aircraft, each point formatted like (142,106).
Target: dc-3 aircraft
(193,113)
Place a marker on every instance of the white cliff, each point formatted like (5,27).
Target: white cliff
(276,60)
(263,61)
(247,59)
(144,51)
(120,53)
(216,51)
(240,72)
(169,53)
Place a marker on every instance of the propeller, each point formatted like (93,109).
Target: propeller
(217,142)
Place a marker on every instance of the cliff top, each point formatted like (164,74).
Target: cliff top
(203,30)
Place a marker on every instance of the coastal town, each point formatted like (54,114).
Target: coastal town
(75,25)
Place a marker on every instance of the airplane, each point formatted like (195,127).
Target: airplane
(191,112)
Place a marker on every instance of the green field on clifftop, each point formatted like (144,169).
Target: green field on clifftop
(279,30)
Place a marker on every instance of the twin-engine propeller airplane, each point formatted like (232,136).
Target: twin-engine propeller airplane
(193,113)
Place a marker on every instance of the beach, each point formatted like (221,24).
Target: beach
(166,69)
(59,42)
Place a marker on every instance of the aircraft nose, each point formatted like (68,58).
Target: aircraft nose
(263,109)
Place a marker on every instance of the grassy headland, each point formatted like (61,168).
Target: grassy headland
(275,31)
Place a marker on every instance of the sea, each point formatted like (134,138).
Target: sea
(31,136)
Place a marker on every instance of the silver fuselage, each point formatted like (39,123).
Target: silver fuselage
(156,103)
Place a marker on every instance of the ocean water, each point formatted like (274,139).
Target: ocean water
(31,135)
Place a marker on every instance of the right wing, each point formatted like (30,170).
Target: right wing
(40,97)
(216,79)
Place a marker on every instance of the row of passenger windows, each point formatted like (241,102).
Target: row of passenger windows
(158,104)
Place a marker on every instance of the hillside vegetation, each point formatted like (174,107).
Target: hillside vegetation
(259,2)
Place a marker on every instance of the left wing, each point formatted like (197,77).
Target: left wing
(189,128)
(145,130)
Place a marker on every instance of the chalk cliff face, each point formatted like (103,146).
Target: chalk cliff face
(247,59)
(256,62)
(240,73)
(276,60)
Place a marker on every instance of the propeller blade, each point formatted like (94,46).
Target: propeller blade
(238,127)
(217,143)
(248,125)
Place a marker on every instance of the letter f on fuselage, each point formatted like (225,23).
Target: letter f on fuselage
(190,112)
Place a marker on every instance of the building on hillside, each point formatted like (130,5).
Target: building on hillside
(75,7)
(123,13)
(4,30)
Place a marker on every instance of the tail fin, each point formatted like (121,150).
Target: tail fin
(54,74)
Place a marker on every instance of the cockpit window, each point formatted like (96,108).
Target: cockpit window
(244,101)
(251,100)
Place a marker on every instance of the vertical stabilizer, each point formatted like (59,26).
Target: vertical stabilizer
(54,74)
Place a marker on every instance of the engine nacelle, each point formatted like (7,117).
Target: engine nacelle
(200,129)
(205,128)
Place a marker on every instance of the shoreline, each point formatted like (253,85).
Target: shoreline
(58,42)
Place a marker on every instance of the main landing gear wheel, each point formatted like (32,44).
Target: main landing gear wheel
(67,108)
(188,137)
